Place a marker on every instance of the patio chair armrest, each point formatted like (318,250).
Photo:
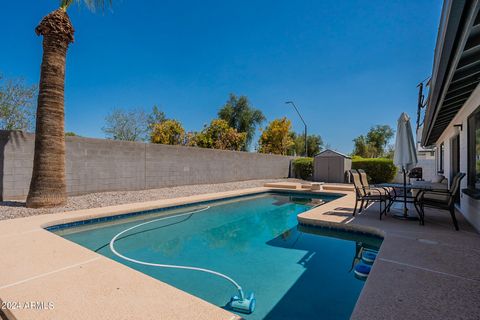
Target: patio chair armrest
(422,193)
(387,190)
(438,191)
(370,191)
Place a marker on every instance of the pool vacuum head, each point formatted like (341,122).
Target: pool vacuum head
(242,304)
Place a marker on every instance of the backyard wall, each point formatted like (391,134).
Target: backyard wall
(95,165)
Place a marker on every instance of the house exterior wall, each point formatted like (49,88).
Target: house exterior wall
(468,206)
(97,165)
(427,162)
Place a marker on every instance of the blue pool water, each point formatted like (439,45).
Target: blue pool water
(296,272)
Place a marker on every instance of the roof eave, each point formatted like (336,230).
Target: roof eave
(451,17)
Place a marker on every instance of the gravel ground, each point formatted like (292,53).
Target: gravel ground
(16,209)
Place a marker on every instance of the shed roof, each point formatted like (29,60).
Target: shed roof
(331,153)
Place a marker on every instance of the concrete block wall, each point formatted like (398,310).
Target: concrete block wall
(16,163)
(174,165)
(96,165)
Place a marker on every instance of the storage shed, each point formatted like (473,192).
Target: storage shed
(331,166)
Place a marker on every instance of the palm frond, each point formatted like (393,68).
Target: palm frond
(95,4)
(92,5)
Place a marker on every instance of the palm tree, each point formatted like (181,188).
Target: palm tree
(241,115)
(48,187)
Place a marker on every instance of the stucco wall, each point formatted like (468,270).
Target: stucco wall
(94,165)
(469,207)
(428,165)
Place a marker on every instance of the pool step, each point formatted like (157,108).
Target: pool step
(369,257)
(282,185)
(364,266)
(362,271)
(314,186)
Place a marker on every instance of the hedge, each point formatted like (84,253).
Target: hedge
(303,168)
(379,170)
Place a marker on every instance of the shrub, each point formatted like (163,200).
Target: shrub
(168,132)
(218,135)
(303,168)
(379,170)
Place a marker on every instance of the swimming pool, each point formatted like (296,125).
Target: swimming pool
(296,272)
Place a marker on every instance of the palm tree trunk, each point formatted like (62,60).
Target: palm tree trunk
(48,186)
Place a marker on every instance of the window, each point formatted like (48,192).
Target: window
(441,157)
(474,151)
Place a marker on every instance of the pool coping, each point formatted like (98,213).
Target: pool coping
(421,271)
(28,276)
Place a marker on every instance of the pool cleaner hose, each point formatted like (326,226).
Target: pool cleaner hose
(239,303)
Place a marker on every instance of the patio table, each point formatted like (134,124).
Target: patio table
(405,198)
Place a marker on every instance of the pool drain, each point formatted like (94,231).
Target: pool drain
(239,303)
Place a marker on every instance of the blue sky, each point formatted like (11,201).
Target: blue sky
(348,65)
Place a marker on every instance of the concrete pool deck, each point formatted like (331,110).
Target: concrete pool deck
(422,272)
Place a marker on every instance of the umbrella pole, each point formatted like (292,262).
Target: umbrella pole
(405,193)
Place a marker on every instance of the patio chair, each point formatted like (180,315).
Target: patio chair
(389,192)
(363,194)
(440,199)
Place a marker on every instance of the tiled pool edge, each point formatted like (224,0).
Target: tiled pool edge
(353,229)
(120,216)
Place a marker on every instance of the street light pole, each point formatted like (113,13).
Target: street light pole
(296,109)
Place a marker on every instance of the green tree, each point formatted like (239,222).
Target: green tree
(361,147)
(218,135)
(390,152)
(314,144)
(168,132)
(374,144)
(48,186)
(157,116)
(276,138)
(292,150)
(128,125)
(378,138)
(17,111)
(242,116)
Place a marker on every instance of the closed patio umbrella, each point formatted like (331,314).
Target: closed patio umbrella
(405,155)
